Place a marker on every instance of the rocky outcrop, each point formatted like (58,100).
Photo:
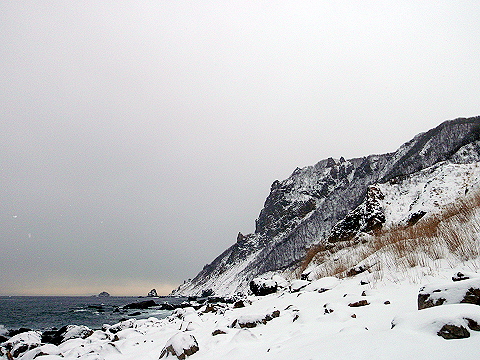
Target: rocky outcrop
(328,202)
(367,217)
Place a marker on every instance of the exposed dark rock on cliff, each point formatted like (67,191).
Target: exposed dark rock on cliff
(329,201)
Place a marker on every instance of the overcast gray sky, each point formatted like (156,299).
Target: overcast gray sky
(139,137)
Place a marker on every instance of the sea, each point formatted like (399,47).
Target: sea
(53,312)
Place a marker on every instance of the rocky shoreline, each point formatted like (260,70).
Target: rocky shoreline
(300,319)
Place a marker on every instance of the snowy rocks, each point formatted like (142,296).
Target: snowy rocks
(449,321)
(466,291)
(451,331)
(252,320)
(65,333)
(298,285)
(23,342)
(180,345)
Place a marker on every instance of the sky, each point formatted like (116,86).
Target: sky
(137,138)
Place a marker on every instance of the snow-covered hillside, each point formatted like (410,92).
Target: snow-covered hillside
(316,205)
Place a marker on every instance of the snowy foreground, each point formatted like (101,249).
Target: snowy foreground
(315,322)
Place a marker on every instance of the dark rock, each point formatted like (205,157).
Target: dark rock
(141,305)
(137,313)
(239,304)
(459,277)
(472,296)
(207,292)
(152,293)
(473,325)
(167,306)
(103,294)
(218,332)
(449,331)
(415,217)
(387,302)
(304,276)
(359,303)
(220,299)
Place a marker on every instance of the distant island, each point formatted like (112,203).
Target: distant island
(103,294)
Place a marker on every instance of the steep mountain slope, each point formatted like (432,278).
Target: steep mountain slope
(317,204)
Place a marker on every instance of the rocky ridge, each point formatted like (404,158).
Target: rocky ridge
(331,201)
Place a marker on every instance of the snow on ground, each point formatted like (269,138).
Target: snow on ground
(317,322)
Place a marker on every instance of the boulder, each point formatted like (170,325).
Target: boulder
(451,331)
(465,291)
(262,286)
(180,345)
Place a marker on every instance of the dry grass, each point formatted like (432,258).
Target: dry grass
(452,233)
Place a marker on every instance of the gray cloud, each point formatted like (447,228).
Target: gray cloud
(138,138)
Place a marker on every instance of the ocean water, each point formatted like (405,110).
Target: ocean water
(49,312)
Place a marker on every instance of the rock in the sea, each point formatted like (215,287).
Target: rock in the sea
(103,294)
(152,293)
(141,305)
(466,291)
(180,345)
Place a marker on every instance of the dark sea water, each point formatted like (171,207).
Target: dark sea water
(48,312)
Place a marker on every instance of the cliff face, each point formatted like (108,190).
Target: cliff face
(321,203)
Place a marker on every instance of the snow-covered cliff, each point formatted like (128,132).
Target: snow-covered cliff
(334,199)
